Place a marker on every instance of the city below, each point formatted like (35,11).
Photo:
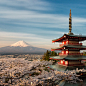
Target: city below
(25,56)
(31,70)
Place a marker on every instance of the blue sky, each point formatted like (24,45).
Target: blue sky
(37,22)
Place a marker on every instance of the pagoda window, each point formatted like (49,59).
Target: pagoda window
(61,62)
(66,62)
(65,36)
(67,42)
(62,52)
(66,52)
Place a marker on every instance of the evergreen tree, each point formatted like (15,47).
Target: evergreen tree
(53,53)
(47,55)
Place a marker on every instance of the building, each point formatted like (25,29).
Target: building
(70,48)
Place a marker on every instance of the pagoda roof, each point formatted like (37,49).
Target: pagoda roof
(68,57)
(56,57)
(75,58)
(69,36)
(69,47)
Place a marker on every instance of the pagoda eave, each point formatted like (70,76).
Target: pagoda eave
(59,39)
(70,37)
(69,47)
(74,58)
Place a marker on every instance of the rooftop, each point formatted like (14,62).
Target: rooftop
(74,37)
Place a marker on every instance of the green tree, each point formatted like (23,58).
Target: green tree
(84,53)
(53,53)
(47,55)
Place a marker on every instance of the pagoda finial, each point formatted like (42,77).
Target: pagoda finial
(70,23)
(70,12)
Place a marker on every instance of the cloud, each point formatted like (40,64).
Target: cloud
(33,22)
(32,39)
(31,18)
(35,19)
(24,13)
(25,4)
(79,21)
(26,36)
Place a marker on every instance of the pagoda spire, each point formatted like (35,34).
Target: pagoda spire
(70,23)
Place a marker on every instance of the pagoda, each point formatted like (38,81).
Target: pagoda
(70,48)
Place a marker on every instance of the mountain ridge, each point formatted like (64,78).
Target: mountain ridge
(21,47)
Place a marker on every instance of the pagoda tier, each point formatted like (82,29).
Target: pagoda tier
(69,60)
(70,37)
(69,47)
(70,63)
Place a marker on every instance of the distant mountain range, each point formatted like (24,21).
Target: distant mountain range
(21,47)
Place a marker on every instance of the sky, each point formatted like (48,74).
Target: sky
(38,22)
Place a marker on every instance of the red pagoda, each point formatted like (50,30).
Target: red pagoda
(70,48)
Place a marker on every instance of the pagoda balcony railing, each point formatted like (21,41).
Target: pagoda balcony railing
(64,64)
(70,44)
(75,43)
(75,54)
(62,54)
(81,64)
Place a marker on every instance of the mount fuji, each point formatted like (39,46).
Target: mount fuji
(20,44)
(21,47)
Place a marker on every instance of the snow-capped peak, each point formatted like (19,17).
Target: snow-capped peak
(20,44)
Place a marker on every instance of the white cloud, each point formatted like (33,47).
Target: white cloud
(84,43)
(34,18)
(25,35)
(16,11)
(36,40)
(39,19)
(27,4)
(32,39)
(28,13)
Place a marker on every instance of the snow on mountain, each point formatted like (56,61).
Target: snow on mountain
(21,47)
(20,44)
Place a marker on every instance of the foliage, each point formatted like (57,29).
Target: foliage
(35,73)
(47,55)
(46,69)
(84,53)
(6,80)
